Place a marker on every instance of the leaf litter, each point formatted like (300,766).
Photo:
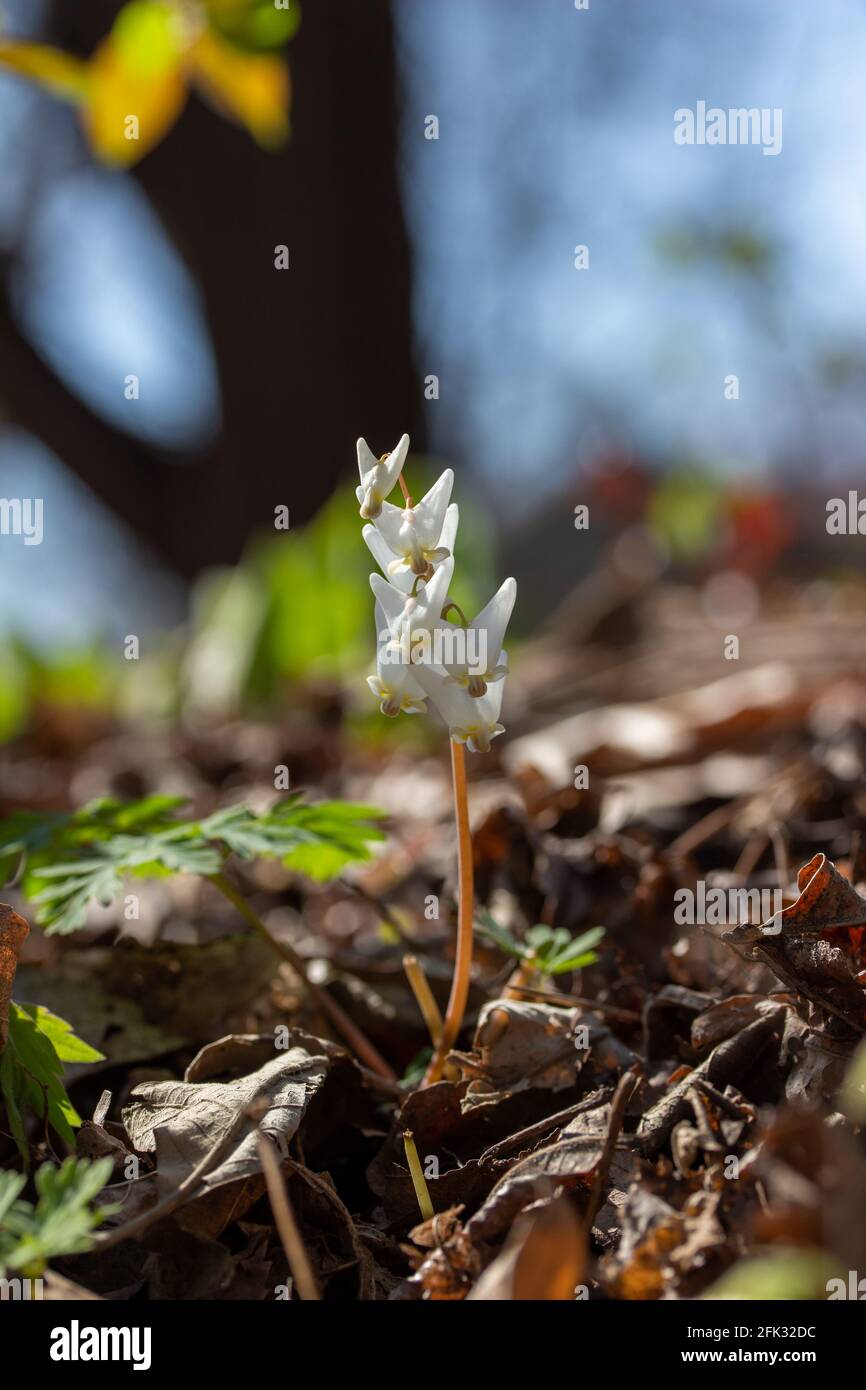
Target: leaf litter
(676,1113)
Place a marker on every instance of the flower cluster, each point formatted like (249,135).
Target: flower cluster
(422,653)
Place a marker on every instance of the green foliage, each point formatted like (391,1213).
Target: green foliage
(550,950)
(852,1093)
(60,1222)
(297,606)
(684,512)
(29,679)
(414,1073)
(72,860)
(31,1071)
(255,24)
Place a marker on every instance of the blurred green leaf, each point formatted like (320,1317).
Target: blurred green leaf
(489,927)
(550,950)
(62,1220)
(148,37)
(852,1093)
(686,512)
(255,24)
(787,1274)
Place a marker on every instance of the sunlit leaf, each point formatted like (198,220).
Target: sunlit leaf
(255,24)
(251,88)
(137,86)
(53,69)
(783,1275)
(31,1070)
(148,38)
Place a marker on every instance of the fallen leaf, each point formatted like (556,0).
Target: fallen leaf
(543,1258)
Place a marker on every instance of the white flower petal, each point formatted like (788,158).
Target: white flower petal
(378,479)
(430,511)
(494,618)
(383,557)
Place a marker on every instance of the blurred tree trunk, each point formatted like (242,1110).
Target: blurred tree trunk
(308,357)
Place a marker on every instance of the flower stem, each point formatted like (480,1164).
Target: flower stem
(352,1034)
(424,997)
(422,1192)
(465,911)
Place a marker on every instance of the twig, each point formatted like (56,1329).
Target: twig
(424,997)
(463,962)
(750,854)
(780,850)
(621,1097)
(287,1226)
(380,907)
(329,1006)
(555,996)
(543,1127)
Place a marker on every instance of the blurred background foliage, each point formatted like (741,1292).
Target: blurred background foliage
(298,605)
(412,261)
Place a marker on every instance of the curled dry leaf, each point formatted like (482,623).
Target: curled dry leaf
(519,1046)
(180,1122)
(815,946)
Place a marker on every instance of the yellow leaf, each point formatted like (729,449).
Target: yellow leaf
(129,108)
(50,67)
(252,87)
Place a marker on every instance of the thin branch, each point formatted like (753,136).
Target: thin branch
(284,1216)
(329,1006)
(463,962)
(424,997)
(556,996)
(621,1097)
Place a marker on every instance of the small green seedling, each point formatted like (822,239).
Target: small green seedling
(545,950)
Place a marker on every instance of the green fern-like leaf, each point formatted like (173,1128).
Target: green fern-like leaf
(71,861)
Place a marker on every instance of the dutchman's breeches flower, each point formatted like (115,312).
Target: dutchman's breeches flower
(420,654)
(459,666)
(378,476)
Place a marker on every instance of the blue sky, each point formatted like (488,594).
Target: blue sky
(556,128)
